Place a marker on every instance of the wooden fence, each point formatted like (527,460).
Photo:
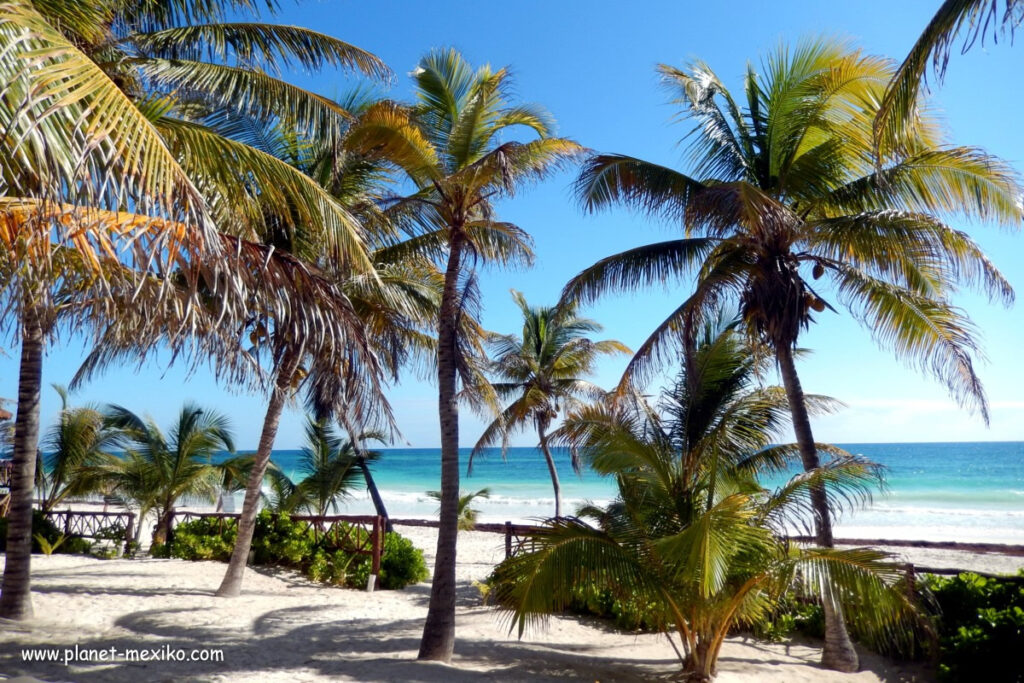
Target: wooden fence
(343,532)
(518,537)
(113,526)
(359,534)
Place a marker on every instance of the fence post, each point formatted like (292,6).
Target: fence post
(911,581)
(508,540)
(129,532)
(376,549)
(67,522)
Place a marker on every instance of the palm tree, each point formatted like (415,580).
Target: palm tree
(379,328)
(467,515)
(331,466)
(149,84)
(692,535)
(78,445)
(543,371)
(972,19)
(70,248)
(450,147)
(158,470)
(786,191)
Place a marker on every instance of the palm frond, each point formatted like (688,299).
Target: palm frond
(270,47)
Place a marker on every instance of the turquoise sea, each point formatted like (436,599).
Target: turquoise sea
(936,491)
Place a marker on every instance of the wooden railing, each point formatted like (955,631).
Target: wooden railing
(95,524)
(340,532)
(517,536)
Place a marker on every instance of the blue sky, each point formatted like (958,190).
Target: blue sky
(592,65)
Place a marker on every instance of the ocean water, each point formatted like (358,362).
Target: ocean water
(935,491)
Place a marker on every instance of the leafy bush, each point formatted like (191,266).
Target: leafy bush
(280,541)
(203,539)
(792,615)
(980,627)
(43,528)
(627,613)
(401,563)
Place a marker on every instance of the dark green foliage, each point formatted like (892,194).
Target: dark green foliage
(280,541)
(401,564)
(48,530)
(980,628)
(628,614)
(792,615)
(979,623)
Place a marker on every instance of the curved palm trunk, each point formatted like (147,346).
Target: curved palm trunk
(231,586)
(438,641)
(378,502)
(15,596)
(371,485)
(838,653)
(542,433)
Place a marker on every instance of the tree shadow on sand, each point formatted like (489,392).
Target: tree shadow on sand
(318,640)
(381,650)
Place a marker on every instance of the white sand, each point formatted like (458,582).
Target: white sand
(284,628)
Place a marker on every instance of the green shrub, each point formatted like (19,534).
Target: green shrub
(792,615)
(203,539)
(980,627)
(280,541)
(401,563)
(626,613)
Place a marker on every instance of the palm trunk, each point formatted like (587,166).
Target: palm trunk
(378,502)
(438,641)
(838,653)
(371,485)
(541,427)
(162,530)
(231,586)
(15,596)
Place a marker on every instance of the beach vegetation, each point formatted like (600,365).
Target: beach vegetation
(785,212)
(157,470)
(540,374)
(693,543)
(381,317)
(331,469)
(46,547)
(980,625)
(467,514)
(46,532)
(76,446)
(93,204)
(173,99)
(278,540)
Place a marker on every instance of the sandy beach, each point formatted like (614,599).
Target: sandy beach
(284,628)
